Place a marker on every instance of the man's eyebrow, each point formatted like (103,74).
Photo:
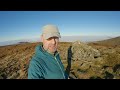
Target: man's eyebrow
(54,37)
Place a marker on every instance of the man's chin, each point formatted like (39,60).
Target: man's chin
(51,51)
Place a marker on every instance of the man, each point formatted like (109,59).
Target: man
(46,63)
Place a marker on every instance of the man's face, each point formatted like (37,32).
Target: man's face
(50,44)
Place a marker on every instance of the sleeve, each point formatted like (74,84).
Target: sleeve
(34,71)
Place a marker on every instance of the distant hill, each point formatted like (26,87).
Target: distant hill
(113,41)
(23,42)
(83,38)
(62,39)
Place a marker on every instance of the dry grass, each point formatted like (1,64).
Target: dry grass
(14,61)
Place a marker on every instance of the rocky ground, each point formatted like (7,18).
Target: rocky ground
(91,61)
(81,60)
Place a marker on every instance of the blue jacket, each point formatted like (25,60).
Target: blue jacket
(44,65)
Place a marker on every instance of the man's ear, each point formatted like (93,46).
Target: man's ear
(41,38)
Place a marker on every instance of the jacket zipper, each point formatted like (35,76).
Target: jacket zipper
(58,64)
(60,67)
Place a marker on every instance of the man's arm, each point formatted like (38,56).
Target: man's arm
(34,70)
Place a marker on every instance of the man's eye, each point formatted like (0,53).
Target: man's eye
(49,38)
(53,38)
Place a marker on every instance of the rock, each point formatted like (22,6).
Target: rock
(81,51)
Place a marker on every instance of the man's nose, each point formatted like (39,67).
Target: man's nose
(53,41)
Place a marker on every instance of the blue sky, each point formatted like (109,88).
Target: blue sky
(15,25)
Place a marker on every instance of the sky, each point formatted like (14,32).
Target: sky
(15,25)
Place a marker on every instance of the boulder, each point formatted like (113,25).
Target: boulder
(82,51)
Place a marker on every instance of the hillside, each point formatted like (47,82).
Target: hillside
(113,41)
(14,59)
(81,60)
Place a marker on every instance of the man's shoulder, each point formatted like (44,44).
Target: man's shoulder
(38,46)
(35,62)
(35,59)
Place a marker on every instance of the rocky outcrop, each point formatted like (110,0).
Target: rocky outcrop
(93,63)
(81,51)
